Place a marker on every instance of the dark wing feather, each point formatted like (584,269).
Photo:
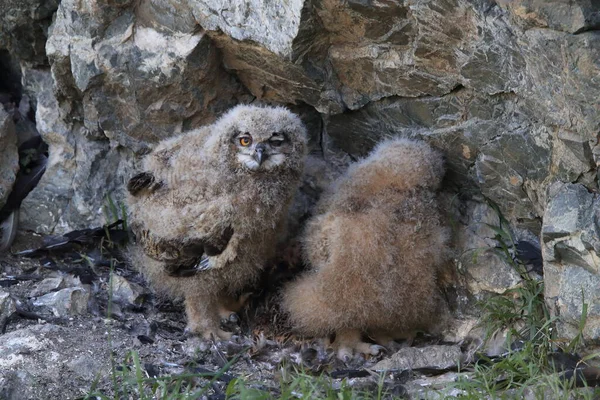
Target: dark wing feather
(195,254)
(141,181)
(217,244)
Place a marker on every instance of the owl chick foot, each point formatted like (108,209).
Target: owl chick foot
(228,316)
(382,338)
(349,342)
(208,334)
(203,318)
(229,307)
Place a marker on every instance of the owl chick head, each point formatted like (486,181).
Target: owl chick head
(397,163)
(260,138)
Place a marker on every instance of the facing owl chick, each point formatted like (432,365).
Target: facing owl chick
(374,246)
(208,207)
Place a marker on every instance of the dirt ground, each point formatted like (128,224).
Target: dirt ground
(65,351)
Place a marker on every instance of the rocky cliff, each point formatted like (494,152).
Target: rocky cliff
(509,90)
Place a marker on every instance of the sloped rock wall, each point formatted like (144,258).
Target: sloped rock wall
(507,89)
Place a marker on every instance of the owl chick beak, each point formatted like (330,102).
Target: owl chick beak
(259,153)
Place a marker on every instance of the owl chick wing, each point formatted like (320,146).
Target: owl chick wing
(196,253)
(142,181)
(182,257)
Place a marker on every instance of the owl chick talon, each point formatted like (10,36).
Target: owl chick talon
(234,318)
(372,349)
(345,353)
(229,318)
(203,264)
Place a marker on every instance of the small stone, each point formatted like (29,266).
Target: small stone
(66,302)
(7,307)
(125,291)
(409,358)
(48,285)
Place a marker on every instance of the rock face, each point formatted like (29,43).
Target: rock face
(9,163)
(23,26)
(571,258)
(507,89)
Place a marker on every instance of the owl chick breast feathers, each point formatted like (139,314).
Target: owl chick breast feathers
(238,173)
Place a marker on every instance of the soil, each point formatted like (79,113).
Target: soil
(45,356)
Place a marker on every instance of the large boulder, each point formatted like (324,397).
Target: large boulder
(122,78)
(135,80)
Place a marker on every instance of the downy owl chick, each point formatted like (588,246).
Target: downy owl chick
(209,205)
(374,246)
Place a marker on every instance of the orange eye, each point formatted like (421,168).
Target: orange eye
(245,141)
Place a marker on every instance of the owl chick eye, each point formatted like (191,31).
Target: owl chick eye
(245,141)
(276,140)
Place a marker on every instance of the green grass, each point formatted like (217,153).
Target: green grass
(114,211)
(303,386)
(132,382)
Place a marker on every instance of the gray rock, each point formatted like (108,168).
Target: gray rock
(80,174)
(86,367)
(9,160)
(438,387)
(560,84)
(485,269)
(127,292)
(560,15)
(7,307)
(17,343)
(23,27)
(512,168)
(48,285)
(273,25)
(575,158)
(136,83)
(66,302)
(571,248)
(386,49)
(13,384)
(409,358)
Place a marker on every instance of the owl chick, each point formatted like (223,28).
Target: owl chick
(209,205)
(373,246)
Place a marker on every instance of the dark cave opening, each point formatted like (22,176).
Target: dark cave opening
(11,88)
(33,151)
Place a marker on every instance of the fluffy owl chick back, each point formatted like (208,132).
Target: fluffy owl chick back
(208,206)
(374,247)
